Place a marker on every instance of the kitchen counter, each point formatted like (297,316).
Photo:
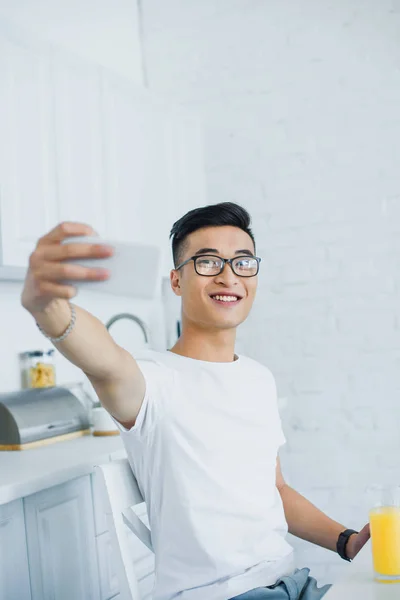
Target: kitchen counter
(28,471)
(359,582)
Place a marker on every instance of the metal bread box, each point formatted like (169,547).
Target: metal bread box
(36,417)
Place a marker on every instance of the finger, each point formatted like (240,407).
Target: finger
(361,539)
(57,290)
(66,229)
(54,272)
(59,252)
(365,532)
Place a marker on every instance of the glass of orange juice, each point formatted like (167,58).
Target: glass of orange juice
(384,520)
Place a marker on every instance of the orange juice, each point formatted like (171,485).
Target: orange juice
(385,537)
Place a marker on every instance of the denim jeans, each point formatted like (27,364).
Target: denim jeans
(297,586)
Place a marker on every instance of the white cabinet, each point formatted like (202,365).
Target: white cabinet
(154,165)
(14,573)
(52,547)
(51,153)
(27,157)
(185,160)
(136,170)
(81,190)
(61,542)
(80,143)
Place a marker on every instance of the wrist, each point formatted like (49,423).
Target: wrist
(344,544)
(350,546)
(53,319)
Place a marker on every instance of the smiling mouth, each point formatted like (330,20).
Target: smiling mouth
(226,299)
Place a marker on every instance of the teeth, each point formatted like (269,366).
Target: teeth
(226,298)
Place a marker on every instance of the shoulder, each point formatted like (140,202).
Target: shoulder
(154,364)
(151,356)
(262,378)
(256,367)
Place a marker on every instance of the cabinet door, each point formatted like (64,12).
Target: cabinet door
(186,174)
(61,542)
(79,144)
(27,157)
(99,509)
(136,168)
(154,165)
(14,572)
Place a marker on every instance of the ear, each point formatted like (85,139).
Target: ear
(175,282)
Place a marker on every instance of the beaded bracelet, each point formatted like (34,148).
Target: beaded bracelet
(62,337)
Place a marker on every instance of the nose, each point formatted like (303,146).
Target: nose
(227,277)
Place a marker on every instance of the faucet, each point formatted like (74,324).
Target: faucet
(141,323)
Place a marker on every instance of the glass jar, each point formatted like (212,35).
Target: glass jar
(37,369)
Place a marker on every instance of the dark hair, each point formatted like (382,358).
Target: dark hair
(214,215)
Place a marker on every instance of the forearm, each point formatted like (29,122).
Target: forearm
(307,522)
(89,346)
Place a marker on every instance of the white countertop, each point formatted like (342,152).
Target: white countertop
(28,471)
(359,584)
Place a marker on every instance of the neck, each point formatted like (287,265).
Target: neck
(213,345)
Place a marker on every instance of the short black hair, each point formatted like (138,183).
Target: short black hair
(213,215)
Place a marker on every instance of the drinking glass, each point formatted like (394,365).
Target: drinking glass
(384,518)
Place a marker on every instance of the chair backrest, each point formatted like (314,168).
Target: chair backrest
(123,502)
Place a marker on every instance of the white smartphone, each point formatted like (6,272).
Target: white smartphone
(135,268)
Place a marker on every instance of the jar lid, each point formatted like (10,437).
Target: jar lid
(32,354)
(37,353)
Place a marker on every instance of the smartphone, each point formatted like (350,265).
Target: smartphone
(135,268)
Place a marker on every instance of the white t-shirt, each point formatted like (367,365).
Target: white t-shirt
(204,450)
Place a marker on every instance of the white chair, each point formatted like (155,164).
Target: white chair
(122,501)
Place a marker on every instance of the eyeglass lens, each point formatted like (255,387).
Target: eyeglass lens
(212,265)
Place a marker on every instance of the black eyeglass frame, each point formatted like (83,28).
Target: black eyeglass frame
(225,261)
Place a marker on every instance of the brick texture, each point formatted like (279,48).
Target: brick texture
(301,102)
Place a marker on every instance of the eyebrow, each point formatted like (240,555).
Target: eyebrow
(215,251)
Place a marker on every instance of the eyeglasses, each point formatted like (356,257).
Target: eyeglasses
(209,266)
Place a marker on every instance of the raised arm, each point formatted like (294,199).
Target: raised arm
(112,371)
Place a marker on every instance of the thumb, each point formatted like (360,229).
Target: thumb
(365,533)
(356,542)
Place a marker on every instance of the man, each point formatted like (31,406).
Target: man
(200,424)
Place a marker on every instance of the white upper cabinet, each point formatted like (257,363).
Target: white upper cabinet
(80,143)
(81,188)
(153,162)
(187,184)
(135,150)
(27,157)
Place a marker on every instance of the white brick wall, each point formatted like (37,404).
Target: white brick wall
(302,106)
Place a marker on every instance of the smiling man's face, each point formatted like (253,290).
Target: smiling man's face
(222,301)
